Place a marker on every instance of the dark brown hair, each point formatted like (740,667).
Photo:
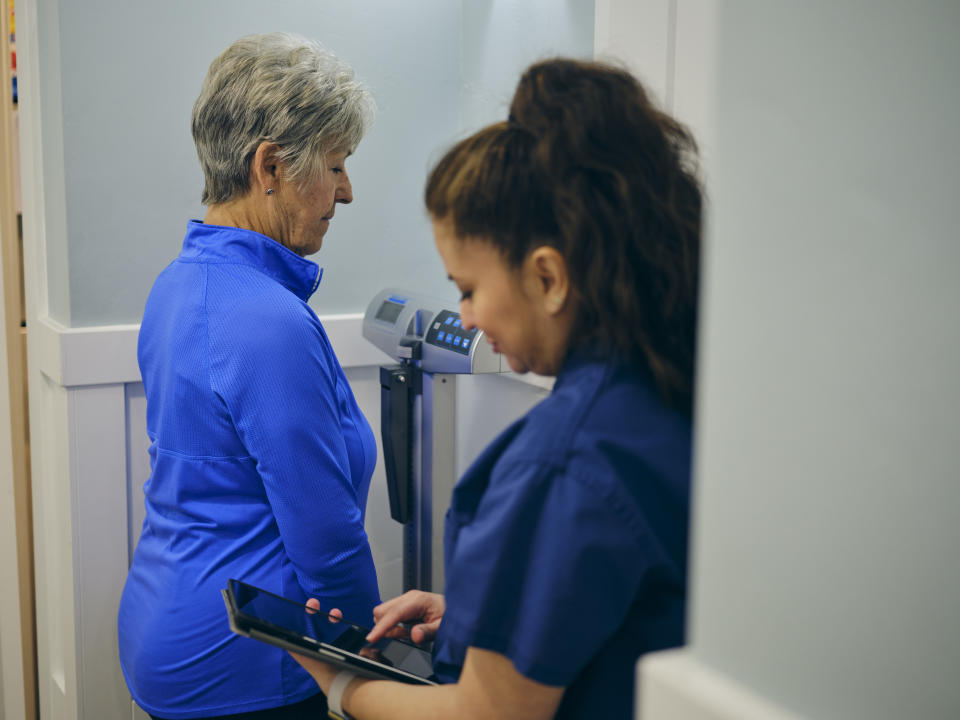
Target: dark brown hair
(588,165)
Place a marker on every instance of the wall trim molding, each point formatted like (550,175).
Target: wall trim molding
(74,357)
(107,354)
(675,685)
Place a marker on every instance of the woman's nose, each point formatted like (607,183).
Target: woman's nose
(344,190)
(466,317)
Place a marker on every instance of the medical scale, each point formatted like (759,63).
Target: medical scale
(425,335)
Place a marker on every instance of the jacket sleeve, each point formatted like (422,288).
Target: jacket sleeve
(276,373)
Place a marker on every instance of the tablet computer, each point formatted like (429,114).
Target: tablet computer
(276,620)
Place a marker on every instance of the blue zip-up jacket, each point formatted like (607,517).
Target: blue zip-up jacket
(260,466)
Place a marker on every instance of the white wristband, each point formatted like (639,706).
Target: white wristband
(335,694)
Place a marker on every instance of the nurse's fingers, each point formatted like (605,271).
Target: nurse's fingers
(424,631)
(313,607)
(414,605)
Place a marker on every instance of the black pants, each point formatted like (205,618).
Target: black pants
(313,708)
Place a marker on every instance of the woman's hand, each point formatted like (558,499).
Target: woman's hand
(424,608)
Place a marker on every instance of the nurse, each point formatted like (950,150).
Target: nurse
(572,231)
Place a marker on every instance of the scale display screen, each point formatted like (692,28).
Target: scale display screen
(447,331)
(390,310)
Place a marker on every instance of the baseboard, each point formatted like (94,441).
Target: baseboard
(675,685)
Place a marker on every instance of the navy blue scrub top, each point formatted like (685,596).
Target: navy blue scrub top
(566,540)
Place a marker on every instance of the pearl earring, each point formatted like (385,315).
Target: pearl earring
(269,191)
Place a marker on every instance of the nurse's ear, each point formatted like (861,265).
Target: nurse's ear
(547,279)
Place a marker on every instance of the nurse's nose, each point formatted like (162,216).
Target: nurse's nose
(466,315)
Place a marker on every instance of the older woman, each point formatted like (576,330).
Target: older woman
(572,232)
(260,458)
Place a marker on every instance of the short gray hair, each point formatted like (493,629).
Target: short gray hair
(280,88)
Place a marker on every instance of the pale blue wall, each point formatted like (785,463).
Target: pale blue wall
(130,73)
(501,38)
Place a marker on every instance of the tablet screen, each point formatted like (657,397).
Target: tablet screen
(296,622)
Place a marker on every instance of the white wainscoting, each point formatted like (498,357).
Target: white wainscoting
(88,478)
(91,461)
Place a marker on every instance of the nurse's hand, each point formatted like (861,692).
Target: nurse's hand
(321,671)
(422,608)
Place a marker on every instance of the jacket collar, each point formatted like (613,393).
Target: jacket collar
(221,244)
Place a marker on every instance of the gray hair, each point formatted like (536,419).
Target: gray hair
(280,88)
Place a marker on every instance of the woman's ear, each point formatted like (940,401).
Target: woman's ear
(546,269)
(265,168)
